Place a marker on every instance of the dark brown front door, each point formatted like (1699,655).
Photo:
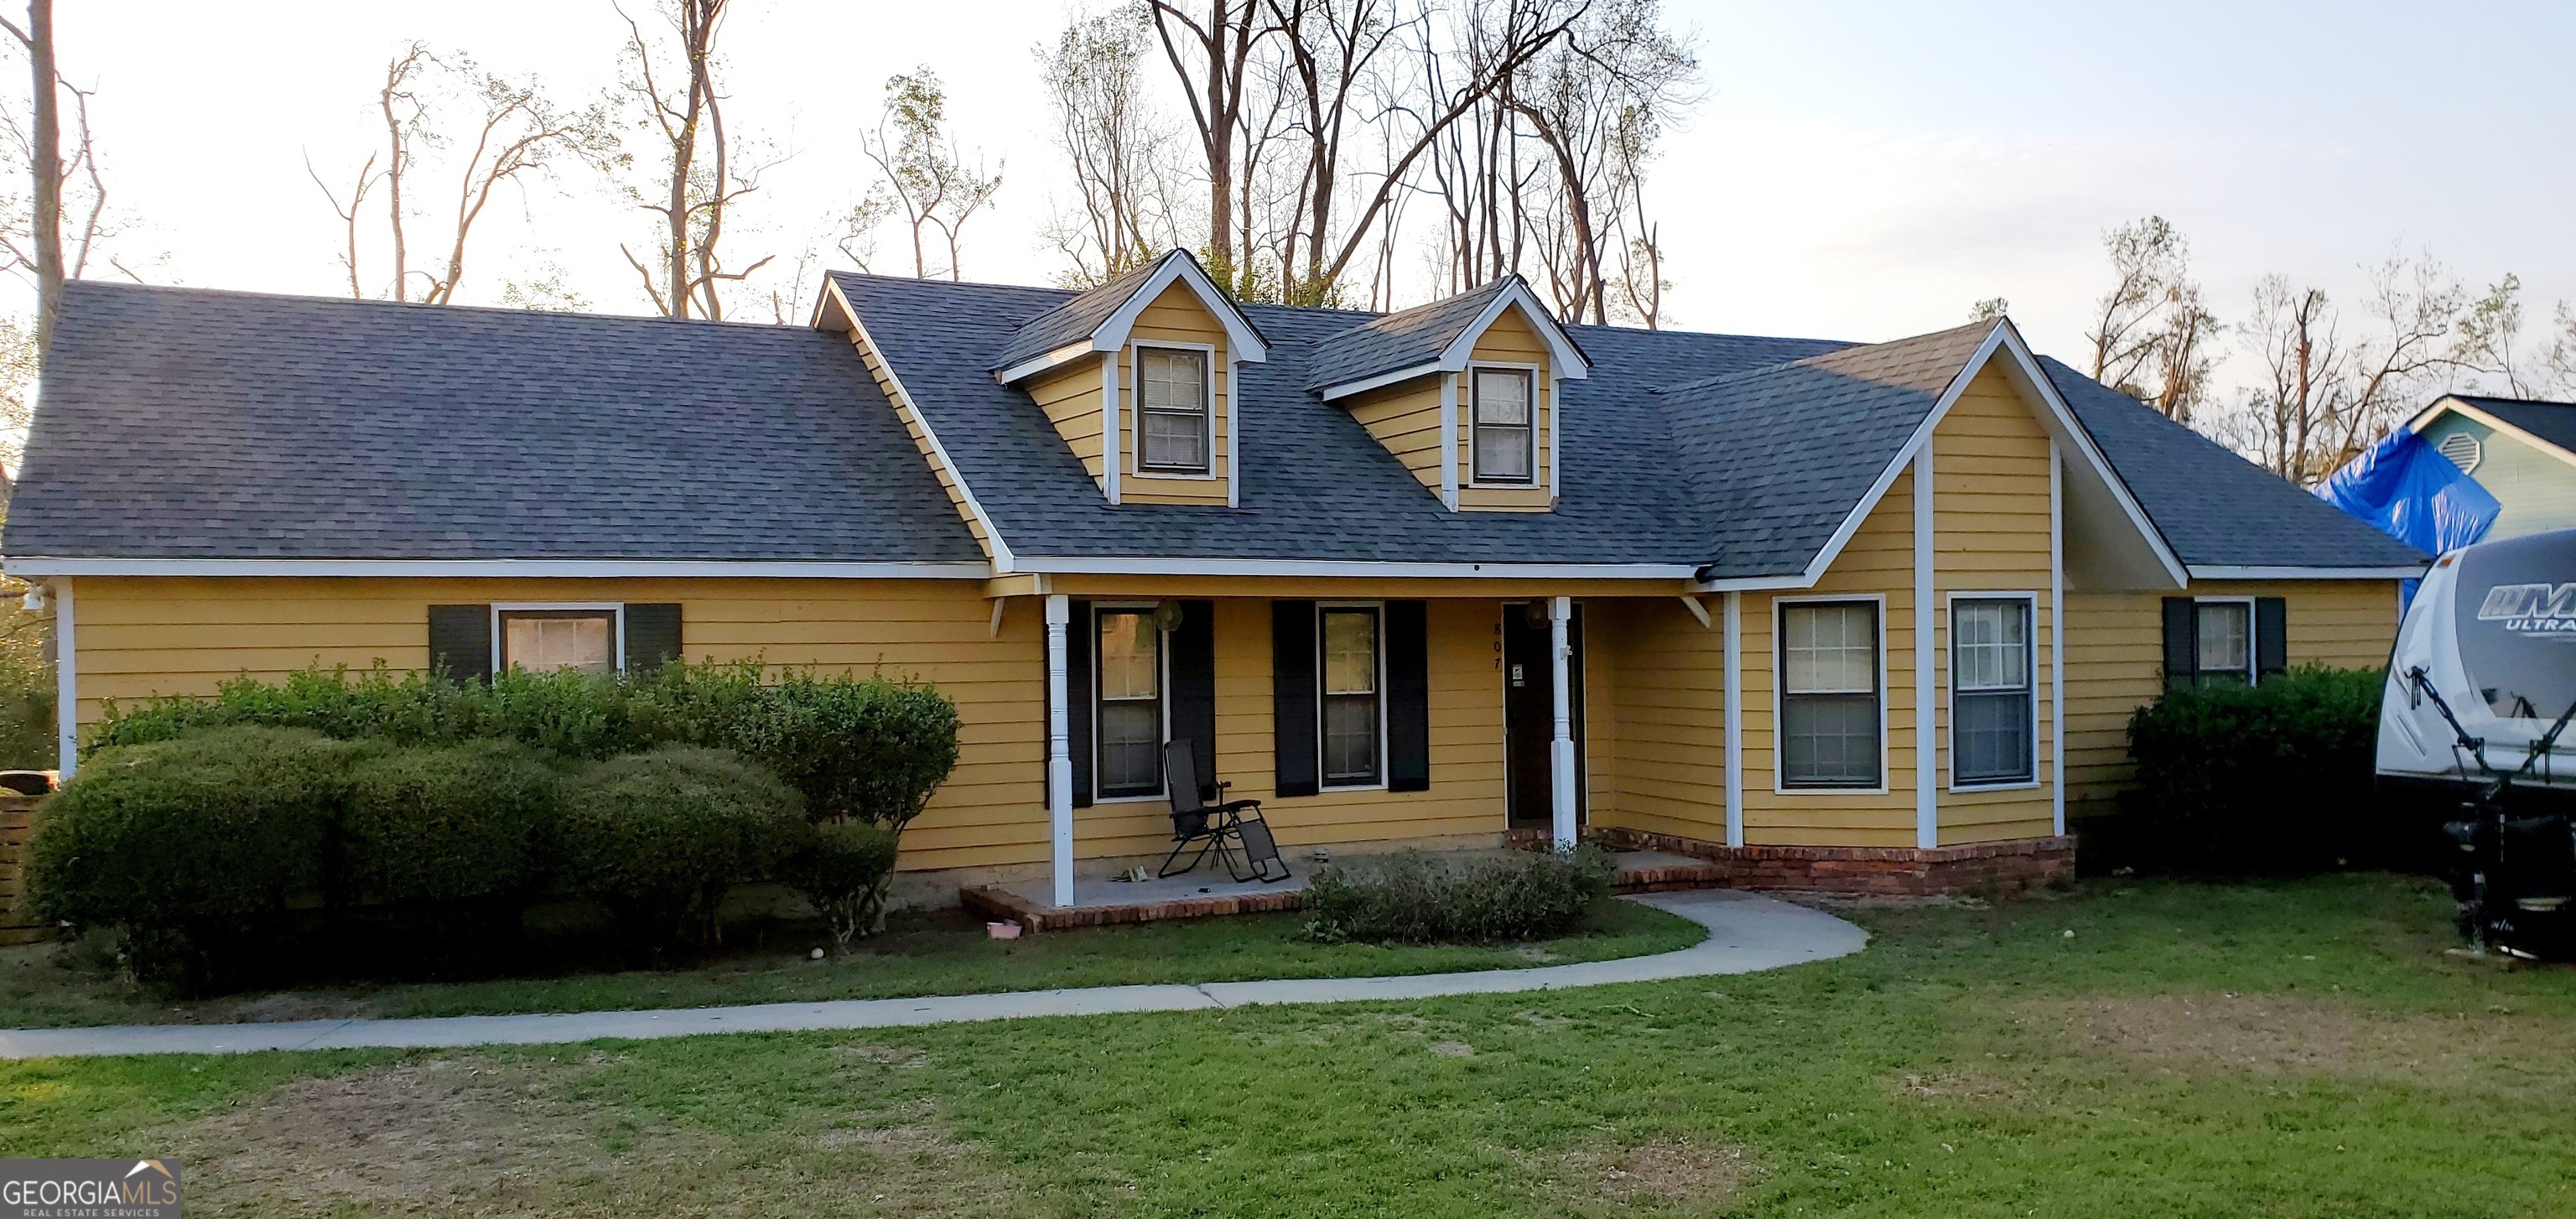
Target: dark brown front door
(1529,712)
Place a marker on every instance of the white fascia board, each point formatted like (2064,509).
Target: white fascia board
(1160,566)
(1380,381)
(993,543)
(594,569)
(1243,343)
(2214,572)
(1037,364)
(2455,406)
(1569,362)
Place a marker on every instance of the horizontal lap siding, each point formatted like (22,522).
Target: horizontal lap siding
(1667,729)
(1175,317)
(1878,560)
(2115,658)
(1991,534)
(1466,794)
(1071,398)
(142,637)
(1406,420)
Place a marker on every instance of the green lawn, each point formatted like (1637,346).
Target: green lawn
(2285,1049)
(936,953)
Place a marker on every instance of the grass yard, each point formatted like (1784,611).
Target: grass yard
(927,953)
(2299,1048)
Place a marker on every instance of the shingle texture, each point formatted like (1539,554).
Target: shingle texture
(1407,338)
(1076,318)
(2554,422)
(184,423)
(2216,508)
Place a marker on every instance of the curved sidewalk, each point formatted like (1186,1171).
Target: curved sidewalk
(1746,933)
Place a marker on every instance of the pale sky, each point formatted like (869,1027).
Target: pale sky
(1859,171)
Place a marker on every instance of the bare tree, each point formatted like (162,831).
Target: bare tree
(2153,338)
(2292,331)
(45,161)
(404,114)
(922,172)
(1212,71)
(367,179)
(1113,143)
(702,181)
(1991,309)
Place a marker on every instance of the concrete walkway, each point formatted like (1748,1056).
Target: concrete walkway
(1747,933)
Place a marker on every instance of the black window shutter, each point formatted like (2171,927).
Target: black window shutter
(2182,643)
(652,636)
(460,642)
(1408,697)
(2271,636)
(1194,688)
(1078,637)
(1292,697)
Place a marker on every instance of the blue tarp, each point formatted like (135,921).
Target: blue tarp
(2413,494)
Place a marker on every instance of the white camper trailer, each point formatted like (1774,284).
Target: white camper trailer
(2483,680)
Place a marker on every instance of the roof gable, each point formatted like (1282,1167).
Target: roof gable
(1100,319)
(1437,337)
(2548,426)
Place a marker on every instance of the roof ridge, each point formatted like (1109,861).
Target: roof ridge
(1813,360)
(109,285)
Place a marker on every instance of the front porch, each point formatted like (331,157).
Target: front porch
(1104,901)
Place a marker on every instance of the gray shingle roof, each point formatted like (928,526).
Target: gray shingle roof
(1075,319)
(1407,338)
(2215,508)
(1778,457)
(2554,422)
(187,423)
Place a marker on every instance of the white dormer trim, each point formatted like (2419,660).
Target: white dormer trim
(1243,343)
(1565,360)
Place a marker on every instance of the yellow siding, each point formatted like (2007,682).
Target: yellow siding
(1510,340)
(1176,317)
(1070,396)
(1662,733)
(1990,534)
(141,637)
(2115,659)
(1406,419)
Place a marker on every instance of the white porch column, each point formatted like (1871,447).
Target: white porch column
(1561,748)
(1059,614)
(1927,728)
(2056,646)
(66,680)
(1735,719)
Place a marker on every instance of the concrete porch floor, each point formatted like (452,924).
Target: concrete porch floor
(1099,900)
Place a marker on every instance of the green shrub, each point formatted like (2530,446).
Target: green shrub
(659,836)
(2277,775)
(869,749)
(187,847)
(447,824)
(843,868)
(1420,898)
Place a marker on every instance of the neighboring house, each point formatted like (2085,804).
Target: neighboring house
(1337,550)
(2523,452)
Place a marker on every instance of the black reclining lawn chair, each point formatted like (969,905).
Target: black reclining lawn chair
(1231,828)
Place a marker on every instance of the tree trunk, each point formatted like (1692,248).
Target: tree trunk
(48,164)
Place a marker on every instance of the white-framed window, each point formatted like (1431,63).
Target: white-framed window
(2226,632)
(1504,419)
(1832,704)
(1127,728)
(545,637)
(1174,423)
(1994,707)
(1352,705)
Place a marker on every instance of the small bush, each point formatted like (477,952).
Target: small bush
(2274,776)
(1420,898)
(868,749)
(451,824)
(188,847)
(659,836)
(843,868)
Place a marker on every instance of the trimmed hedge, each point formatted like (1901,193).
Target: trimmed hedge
(1420,898)
(658,837)
(2261,778)
(190,846)
(842,868)
(460,823)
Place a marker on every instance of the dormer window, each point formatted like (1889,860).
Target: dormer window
(1506,434)
(1172,395)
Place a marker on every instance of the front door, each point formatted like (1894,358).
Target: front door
(1529,713)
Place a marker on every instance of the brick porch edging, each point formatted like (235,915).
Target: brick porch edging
(1000,904)
(2024,863)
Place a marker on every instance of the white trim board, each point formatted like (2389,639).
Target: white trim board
(2307,573)
(1244,342)
(1154,565)
(586,569)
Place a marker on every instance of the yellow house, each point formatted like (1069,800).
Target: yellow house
(1823,614)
